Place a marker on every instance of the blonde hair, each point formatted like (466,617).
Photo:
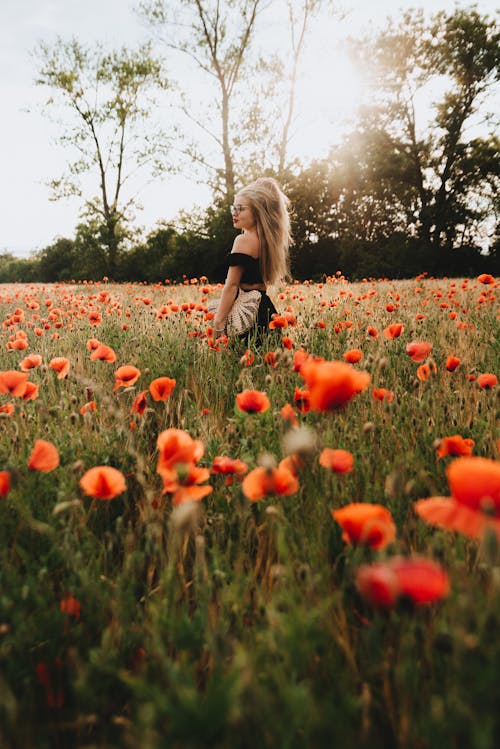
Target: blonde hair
(270,210)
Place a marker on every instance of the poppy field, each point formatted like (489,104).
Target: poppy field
(214,543)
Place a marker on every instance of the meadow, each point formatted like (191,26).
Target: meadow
(313,563)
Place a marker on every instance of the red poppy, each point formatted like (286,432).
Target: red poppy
(420,580)
(7,408)
(161,388)
(88,407)
(263,482)
(288,414)
(270,358)
(366,524)
(224,465)
(44,456)
(353,356)
(103,353)
(140,403)
(126,376)
(454,445)
(394,330)
(486,278)
(381,394)
(13,382)
(332,384)
(452,362)
(278,321)
(30,362)
(177,446)
(418,351)
(372,332)
(93,344)
(71,606)
(474,504)
(60,365)
(103,482)
(5,483)
(252,401)
(30,391)
(184,483)
(338,461)
(424,372)
(247,359)
(302,399)
(487,381)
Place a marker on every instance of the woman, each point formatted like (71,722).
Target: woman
(260,253)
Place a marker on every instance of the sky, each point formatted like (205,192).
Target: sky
(30,157)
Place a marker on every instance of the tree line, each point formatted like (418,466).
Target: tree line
(394,198)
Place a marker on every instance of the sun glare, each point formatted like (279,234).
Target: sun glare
(329,93)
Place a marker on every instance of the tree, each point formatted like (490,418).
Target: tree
(450,180)
(107,99)
(217,37)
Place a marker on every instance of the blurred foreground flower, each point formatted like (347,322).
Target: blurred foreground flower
(417,579)
(338,461)
(474,504)
(5,483)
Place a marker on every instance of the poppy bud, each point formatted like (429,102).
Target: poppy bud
(368,427)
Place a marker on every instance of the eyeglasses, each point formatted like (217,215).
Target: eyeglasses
(236,209)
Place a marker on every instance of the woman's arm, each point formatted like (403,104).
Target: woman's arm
(229,292)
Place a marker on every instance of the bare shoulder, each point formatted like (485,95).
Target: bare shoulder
(246,245)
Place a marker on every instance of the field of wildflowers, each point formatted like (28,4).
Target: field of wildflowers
(206,543)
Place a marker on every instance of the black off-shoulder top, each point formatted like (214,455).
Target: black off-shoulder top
(251,267)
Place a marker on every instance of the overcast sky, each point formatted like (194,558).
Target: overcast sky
(29,157)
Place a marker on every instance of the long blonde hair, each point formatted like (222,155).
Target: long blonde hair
(270,210)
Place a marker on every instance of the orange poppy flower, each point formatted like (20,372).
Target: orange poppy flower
(103,482)
(252,401)
(366,524)
(7,408)
(474,504)
(103,353)
(92,344)
(44,456)
(418,351)
(487,381)
(338,461)
(332,384)
(5,483)
(302,400)
(455,445)
(13,382)
(225,465)
(381,394)
(30,362)
(184,485)
(420,580)
(486,278)
(452,362)
(126,376)
(139,404)
(424,372)
(288,414)
(372,332)
(88,407)
(353,356)
(161,388)
(177,446)
(30,391)
(247,359)
(394,330)
(263,482)
(60,365)
(278,321)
